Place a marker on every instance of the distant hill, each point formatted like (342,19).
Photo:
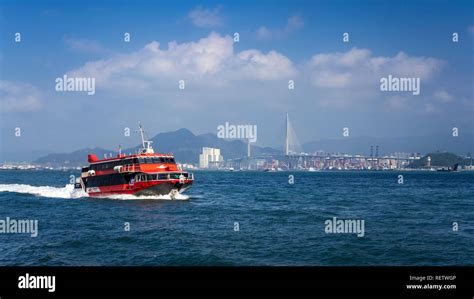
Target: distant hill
(440,160)
(185,146)
(76,158)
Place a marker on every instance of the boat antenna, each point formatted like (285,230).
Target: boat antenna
(146,144)
(142,133)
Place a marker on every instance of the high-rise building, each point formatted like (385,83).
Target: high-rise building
(210,157)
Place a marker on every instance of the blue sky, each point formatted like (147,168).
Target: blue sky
(246,82)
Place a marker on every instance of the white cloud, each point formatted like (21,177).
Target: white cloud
(293,24)
(332,79)
(270,66)
(206,18)
(209,61)
(396,102)
(351,58)
(213,70)
(263,33)
(443,96)
(358,68)
(429,108)
(18,96)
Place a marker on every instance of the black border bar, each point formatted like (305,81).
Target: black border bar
(311,282)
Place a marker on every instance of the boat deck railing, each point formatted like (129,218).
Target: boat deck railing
(130,168)
(185,176)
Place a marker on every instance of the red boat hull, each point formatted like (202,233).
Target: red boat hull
(141,188)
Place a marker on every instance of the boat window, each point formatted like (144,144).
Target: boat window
(148,160)
(103,180)
(151,177)
(162,176)
(172,161)
(141,160)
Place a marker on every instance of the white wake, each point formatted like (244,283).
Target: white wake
(68,191)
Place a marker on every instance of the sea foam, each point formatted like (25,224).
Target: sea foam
(68,191)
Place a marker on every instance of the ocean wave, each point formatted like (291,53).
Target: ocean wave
(68,191)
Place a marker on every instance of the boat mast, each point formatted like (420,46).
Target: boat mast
(142,132)
(146,144)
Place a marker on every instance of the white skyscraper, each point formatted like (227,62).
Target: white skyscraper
(210,156)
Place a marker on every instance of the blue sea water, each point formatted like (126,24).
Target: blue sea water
(278,223)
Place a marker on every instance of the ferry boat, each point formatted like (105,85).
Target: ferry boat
(145,173)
